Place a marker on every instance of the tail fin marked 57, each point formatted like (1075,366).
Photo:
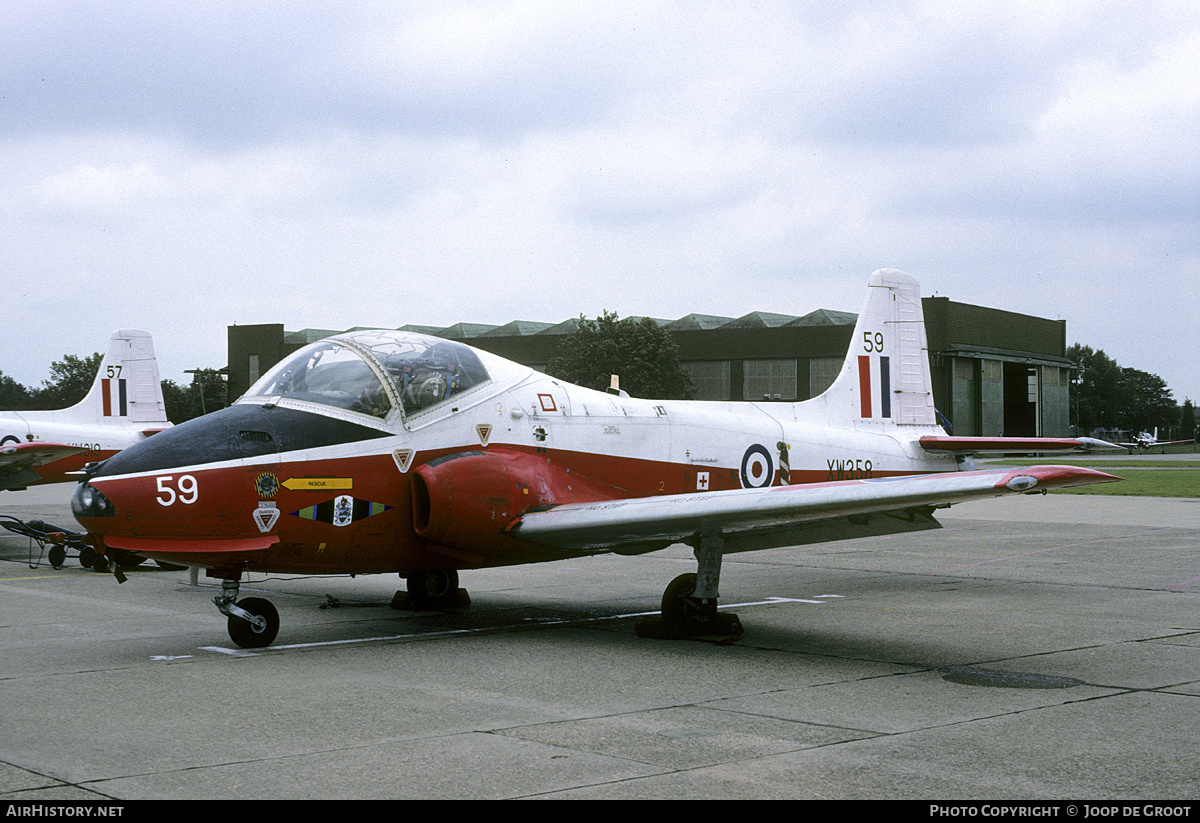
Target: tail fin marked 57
(127,387)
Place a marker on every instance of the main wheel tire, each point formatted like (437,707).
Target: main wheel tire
(245,633)
(673,605)
(433,588)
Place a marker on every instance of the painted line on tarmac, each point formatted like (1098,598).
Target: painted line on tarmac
(770,601)
(348,641)
(98,602)
(1040,551)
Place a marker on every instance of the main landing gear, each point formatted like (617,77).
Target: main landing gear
(689,604)
(253,622)
(430,591)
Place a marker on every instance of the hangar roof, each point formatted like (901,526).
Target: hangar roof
(526,328)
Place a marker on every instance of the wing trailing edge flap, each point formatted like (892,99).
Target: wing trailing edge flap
(764,518)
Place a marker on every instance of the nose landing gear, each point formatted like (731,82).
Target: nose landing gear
(253,622)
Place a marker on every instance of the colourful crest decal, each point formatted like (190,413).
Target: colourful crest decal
(341,511)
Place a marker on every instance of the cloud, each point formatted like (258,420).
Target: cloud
(436,162)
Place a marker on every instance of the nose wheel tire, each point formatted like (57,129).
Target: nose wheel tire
(247,634)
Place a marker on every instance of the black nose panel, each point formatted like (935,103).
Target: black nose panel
(238,432)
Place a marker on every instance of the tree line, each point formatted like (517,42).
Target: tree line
(1108,396)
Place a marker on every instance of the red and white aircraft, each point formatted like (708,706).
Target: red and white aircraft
(123,407)
(385,451)
(1145,440)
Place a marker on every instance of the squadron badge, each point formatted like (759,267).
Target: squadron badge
(341,510)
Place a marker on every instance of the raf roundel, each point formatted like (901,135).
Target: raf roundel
(757,469)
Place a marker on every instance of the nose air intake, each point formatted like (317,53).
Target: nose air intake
(468,499)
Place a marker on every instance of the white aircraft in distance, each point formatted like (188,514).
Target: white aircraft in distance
(124,406)
(1145,440)
(388,451)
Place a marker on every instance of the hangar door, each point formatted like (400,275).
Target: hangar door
(1020,400)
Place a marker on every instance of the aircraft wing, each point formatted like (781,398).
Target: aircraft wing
(784,515)
(18,461)
(1014,445)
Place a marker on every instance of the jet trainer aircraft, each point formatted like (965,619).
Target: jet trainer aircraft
(387,451)
(124,406)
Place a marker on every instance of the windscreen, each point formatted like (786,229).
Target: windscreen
(329,374)
(420,372)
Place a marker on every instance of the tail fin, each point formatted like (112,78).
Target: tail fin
(127,388)
(885,380)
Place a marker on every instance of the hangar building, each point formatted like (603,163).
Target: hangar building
(994,372)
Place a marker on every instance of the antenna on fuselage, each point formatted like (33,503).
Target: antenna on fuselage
(614,386)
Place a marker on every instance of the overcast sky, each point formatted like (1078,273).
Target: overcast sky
(181,167)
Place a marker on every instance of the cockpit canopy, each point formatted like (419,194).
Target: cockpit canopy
(374,373)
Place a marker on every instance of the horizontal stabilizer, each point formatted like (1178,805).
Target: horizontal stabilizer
(1014,445)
